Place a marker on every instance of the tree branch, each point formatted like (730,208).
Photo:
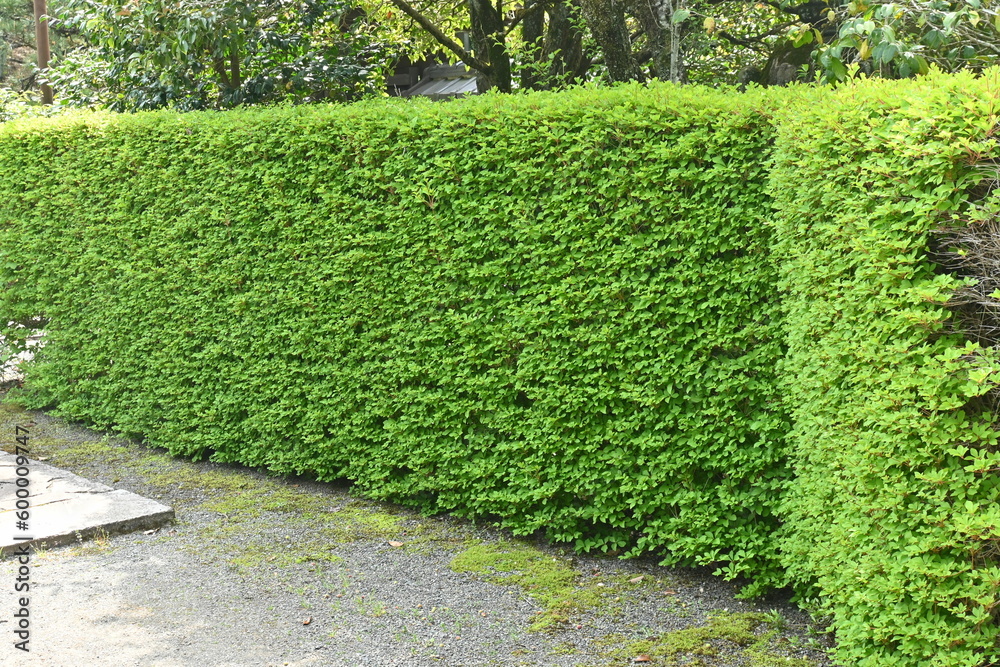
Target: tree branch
(524,13)
(234,69)
(443,39)
(771,3)
(219,65)
(756,40)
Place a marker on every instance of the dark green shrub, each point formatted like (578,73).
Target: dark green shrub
(553,309)
(893,515)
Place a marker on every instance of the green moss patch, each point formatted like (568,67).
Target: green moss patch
(552,582)
(167,473)
(750,636)
(315,526)
(252,499)
(255,554)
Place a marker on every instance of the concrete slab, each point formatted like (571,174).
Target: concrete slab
(64,508)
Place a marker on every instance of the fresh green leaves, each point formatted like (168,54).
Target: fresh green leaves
(890,39)
(892,457)
(644,319)
(555,309)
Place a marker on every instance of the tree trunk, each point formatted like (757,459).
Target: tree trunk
(488,35)
(565,37)
(675,45)
(235,80)
(531,32)
(654,18)
(42,44)
(606,19)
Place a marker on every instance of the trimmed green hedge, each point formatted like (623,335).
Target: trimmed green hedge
(555,309)
(893,514)
(677,320)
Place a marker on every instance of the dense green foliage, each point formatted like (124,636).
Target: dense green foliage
(494,324)
(894,512)
(893,39)
(197,54)
(15,105)
(203,54)
(659,319)
(18,66)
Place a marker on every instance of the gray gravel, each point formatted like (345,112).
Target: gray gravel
(225,587)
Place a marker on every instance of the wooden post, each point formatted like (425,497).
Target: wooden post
(42,42)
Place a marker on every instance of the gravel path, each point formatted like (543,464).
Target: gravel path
(266,571)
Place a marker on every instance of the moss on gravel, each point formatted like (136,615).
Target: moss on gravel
(556,586)
(253,522)
(254,554)
(169,475)
(245,501)
(255,498)
(748,634)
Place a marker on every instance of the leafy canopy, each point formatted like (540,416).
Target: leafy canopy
(197,54)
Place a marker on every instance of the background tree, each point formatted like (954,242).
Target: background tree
(16,36)
(197,54)
(549,43)
(537,44)
(734,41)
(901,39)
(709,41)
(17,45)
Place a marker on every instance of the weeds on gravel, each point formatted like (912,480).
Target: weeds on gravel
(319,524)
(80,454)
(98,542)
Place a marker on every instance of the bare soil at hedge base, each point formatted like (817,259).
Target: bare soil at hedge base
(266,571)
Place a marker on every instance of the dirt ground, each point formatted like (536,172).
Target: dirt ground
(259,570)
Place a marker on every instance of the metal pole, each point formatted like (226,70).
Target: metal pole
(42,42)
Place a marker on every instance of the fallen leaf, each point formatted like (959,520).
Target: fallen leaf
(307,621)
(642,658)
(668,592)
(395,544)
(635,580)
